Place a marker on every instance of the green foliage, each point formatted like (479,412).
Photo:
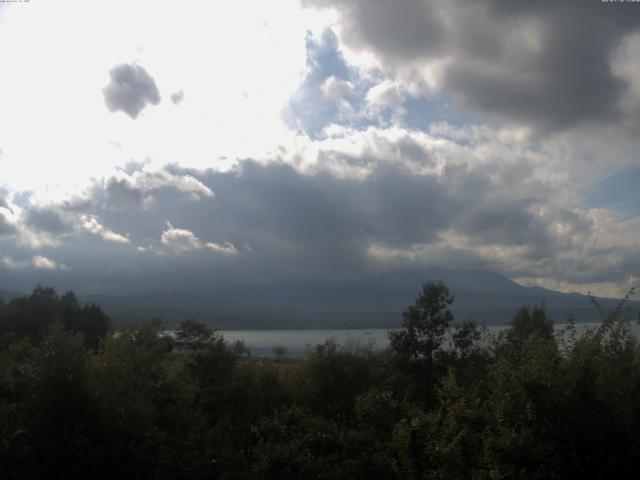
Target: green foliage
(279,351)
(424,323)
(466,338)
(194,336)
(211,367)
(330,378)
(453,444)
(32,317)
(529,322)
(418,346)
(297,445)
(442,403)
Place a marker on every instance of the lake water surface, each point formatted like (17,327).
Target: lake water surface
(261,342)
(295,342)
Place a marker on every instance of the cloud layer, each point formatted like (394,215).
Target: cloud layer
(364,201)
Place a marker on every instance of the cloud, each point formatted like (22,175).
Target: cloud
(542,98)
(135,190)
(177,97)
(38,262)
(179,240)
(163,178)
(130,90)
(120,194)
(533,62)
(43,263)
(4,204)
(6,228)
(336,90)
(391,199)
(384,95)
(356,202)
(328,77)
(431,201)
(626,65)
(226,248)
(92,225)
(8,262)
(418,28)
(48,220)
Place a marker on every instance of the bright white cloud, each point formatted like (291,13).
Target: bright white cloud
(151,180)
(226,248)
(43,263)
(92,225)
(179,240)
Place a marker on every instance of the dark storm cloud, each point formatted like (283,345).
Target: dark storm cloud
(545,63)
(46,220)
(130,90)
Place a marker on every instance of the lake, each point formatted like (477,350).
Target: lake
(261,342)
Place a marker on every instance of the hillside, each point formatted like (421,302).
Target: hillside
(366,302)
(7,295)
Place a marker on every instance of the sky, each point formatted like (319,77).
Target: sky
(162,145)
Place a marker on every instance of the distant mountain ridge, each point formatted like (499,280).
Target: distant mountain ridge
(368,301)
(7,295)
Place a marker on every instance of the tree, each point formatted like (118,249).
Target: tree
(62,410)
(239,348)
(194,336)
(279,351)
(466,338)
(34,316)
(94,325)
(330,379)
(528,322)
(424,323)
(418,344)
(210,365)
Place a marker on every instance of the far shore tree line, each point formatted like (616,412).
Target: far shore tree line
(443,401)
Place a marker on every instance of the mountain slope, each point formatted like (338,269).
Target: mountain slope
(369,301)
(7,295)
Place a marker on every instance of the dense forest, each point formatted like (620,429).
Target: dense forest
(444,401)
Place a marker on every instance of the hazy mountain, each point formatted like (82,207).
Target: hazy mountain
(369,301)
(7,295)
